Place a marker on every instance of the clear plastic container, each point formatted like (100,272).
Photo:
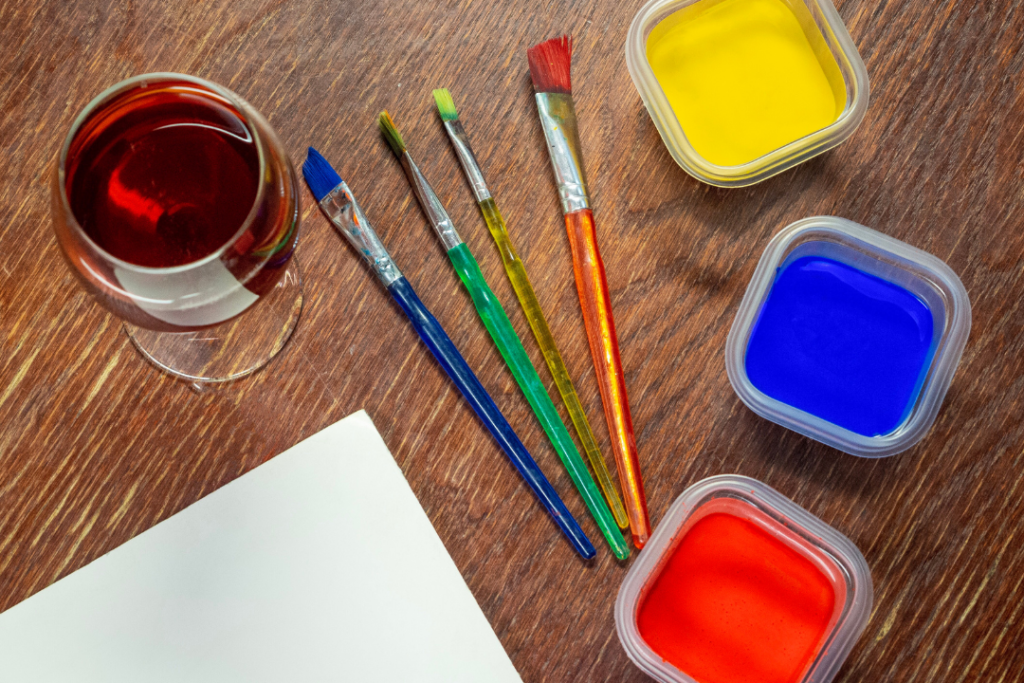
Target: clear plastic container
(931,280)
(831,552)
(837,42)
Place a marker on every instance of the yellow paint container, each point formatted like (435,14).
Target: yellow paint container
(743,89)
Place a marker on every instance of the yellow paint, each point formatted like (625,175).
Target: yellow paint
(745,77)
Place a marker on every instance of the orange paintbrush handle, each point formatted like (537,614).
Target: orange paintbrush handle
(596,304)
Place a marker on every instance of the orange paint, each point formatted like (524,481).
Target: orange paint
(735,604)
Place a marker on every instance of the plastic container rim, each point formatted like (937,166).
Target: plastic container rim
(772,163)
(834,545)
(943,365)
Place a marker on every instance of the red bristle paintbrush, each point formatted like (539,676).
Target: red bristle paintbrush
(549,68)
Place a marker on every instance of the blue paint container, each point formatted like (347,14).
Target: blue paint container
(848,336)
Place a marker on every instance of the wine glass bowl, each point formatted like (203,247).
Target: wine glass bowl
(177,207)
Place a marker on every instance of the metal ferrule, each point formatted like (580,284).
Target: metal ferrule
(343,211)
(558,118)
(460,141)
(431,205)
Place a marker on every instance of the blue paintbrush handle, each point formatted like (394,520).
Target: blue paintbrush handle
(434,336)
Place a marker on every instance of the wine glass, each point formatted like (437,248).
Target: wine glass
(178,209)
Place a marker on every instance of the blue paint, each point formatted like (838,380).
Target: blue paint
(841,344)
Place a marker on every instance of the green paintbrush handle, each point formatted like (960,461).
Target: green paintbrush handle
(500,329)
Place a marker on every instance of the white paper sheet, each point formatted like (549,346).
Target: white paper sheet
(319,565)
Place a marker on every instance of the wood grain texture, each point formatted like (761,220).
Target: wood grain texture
(95,446)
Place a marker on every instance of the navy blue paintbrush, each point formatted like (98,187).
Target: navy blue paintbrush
(340,207)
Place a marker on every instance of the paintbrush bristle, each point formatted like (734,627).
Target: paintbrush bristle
(319,174)
(445,105)
(391,134)
(549,65)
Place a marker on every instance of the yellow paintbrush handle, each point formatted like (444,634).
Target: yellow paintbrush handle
(531,307)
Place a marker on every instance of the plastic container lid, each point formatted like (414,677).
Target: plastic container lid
(884,257)
(785,521)
(838,42)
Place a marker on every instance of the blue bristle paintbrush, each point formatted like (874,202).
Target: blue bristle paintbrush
(340,207)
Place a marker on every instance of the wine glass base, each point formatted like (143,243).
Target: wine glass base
(233,349)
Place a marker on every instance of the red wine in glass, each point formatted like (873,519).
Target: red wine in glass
(180,208)
(167,184)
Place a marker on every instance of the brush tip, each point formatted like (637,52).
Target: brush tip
(391,134)
(550,63)
(445,105)
(319,174)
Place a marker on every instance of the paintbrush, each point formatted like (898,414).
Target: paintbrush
(340,207)
(504,335)
(516,271)
(549,68)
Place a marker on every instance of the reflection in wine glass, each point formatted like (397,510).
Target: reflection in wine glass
(175,204)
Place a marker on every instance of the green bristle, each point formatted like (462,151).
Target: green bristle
(391,134)
(445,105)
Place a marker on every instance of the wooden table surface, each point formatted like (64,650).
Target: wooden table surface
(96,446)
